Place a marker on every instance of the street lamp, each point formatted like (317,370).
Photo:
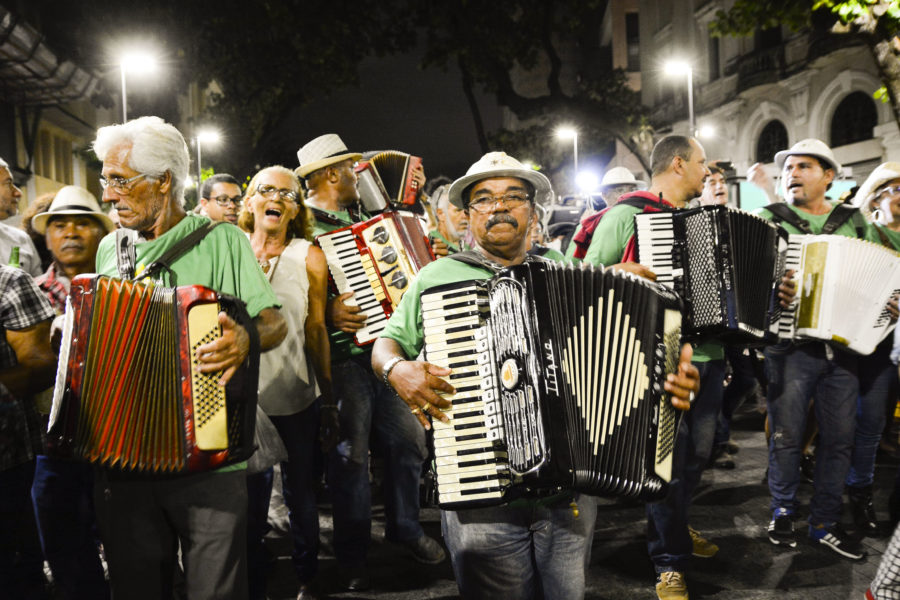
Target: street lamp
(204,136)
(565,133)
(680,67)
(136,63)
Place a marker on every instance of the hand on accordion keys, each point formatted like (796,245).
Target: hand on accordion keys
(344,316)
(418,383)
(225,353)
(635,269)
(787,291)
(685,383)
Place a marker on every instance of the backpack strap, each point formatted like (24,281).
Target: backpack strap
(178,249)
(840,214)
(582,239)
(782,213)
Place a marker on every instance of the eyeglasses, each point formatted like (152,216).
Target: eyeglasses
(887,192)
(511,200)
(269,191)
(224,200)
(119,184)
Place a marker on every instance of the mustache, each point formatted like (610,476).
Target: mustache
(497,219)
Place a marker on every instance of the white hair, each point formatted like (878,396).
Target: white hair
(442,196)
(156,147)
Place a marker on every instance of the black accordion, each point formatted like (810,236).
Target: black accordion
(129,395)
(559,373)
(726,264)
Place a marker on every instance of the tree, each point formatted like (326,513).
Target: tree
(553,44)
(875,22)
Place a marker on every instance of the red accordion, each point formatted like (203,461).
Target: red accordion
(386,180)
(377,260)
(129,394)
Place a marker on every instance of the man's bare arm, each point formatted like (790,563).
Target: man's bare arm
(36,366)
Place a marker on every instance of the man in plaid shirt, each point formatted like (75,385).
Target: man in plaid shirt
(26,366)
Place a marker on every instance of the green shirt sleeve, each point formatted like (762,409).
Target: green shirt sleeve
(611,236)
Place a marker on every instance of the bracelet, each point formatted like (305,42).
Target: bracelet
(388,367)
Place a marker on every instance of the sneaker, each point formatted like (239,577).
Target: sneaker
(781,528)
(836,539)
(426,550)
(671,586)
(703,548)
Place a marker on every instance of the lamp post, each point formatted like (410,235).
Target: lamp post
(135,62)
(678,67)
(565,133)
(209,136)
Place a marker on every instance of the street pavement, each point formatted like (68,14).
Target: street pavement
(731,508)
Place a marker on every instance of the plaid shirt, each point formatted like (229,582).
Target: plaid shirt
(55,287)
(22,305)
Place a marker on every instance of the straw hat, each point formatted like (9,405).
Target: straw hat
(810,147)
(500,164)
(620,176)
(321,152)
(72,200)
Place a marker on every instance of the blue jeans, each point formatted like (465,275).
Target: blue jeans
(798,373)
(668,541)
(877,385)
(521,552)
(64,506)
(368,407)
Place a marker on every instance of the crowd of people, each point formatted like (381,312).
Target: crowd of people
(326,403)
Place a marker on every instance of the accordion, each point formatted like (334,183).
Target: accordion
(377,260)
(386,180)
(558,374)
(128,392)
(843,287)
(726,264)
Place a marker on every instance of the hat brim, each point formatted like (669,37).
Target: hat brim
(637,183)
(542,188)
(881,175)
(304,170)
(39,222)
(780,157)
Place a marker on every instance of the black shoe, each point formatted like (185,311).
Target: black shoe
(781,528)
(837,540)
(306,593)
(356,579)
(863,511)
(808,467)
(426,550)
(720,458)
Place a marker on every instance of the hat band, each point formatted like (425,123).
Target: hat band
(71,207)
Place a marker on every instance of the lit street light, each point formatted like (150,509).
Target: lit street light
(706,131)
(205,136)
(587,182)
(565,133)
(678,67)
(135,63)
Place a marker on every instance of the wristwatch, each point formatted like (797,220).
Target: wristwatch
(388,367)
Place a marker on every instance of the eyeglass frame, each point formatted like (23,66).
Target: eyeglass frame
(236,200)
(893,190)
(119,184)
(488,201)
(282,193)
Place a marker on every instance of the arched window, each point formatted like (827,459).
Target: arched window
(773,138)
(853,120)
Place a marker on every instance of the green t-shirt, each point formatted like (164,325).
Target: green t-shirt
(223,261)
(405,325)
(892,236)
(607,247)
(436,233)
(817,222)
(548,253)
(342,344)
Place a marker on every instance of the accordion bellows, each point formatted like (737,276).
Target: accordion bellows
(559,374)
(128,393)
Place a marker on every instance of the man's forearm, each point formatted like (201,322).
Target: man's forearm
(271,328)
(384,350)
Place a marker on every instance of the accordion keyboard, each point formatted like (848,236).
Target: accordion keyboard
(355,272)
(471,466)
(655,238)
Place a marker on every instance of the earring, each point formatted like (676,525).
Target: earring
(878,216)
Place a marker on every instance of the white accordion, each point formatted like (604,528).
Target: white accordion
(843,288)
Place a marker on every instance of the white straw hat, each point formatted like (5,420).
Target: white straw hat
(500,164)
(810,147)
(620,176)
(72,200)
(325,150)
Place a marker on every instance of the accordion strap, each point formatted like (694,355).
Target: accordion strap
(477,259)
(839,215)
(178,249)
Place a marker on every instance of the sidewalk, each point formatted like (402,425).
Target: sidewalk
(731,509)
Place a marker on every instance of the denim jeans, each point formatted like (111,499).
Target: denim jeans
(798,373)
(877,385)
(743,380)
(63,493)
(367,407)
(521,552)
(668,542)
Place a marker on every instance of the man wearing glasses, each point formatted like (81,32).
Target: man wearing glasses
(538,545)
(366,406)
(220,197)
(144,518)
(13,237)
